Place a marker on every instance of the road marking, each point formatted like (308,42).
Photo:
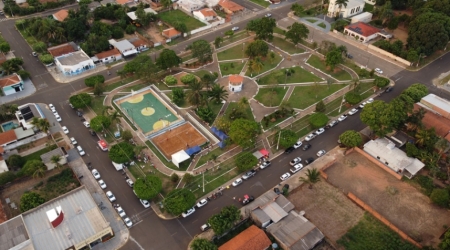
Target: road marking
(269,175)
(137,243)
(215,208)
(399,78)
(194,221)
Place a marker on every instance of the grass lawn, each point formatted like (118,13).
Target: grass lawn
(349,63)
(279,77)
(286,46)
(97,104)
(305,96)
(322,25)
(311,20)
(201,73)
(135,87)
(296,126)
(37,155)
(187,57)
(174,16)
(271,96)
(228,68)
(236,52)
(332,108)
(114,85)
(233,105)
(267,66)
(215,153)
(338,73)
(237,36)
(263,3)
(278,30)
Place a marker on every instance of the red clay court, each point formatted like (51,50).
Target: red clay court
(179,138)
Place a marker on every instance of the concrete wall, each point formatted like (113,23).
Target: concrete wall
(379,164)
(390,55)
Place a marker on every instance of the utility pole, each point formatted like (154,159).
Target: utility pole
(279,136)
(341,103)
(203,181)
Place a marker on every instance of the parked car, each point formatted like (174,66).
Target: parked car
(268,15)
(202,203)
(92,132)
(332,124)
(130,182)
(121,212)
(342,117)
(298,144)
(379,71)
(80,150)
(96,174)
(295,161)
(73,141)
(58,118)
(370,100)
(310,137)
(145,203)
(70,104)
(34,54)
(353,111)
(249,174)
(389,89)
(205,227)
(128,222)
(296,168)
(349,56)
(277,190)
(236,182)
(319,131)
(289,150)
(235,28)
(285,176)
(102,184)
(86,124)
(321,153)
(65,130)
(306,147)
(188,212)
(309,160)
(265,164)
(362,105)
(247,199)
(110,196)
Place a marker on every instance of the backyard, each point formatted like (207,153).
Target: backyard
(236,52)
(279,77)
(267,65)
(304,96)
(286,46)
(228,68)
(270,97)
(174,16)
(337,73)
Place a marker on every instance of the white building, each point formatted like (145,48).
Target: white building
(364,32)
(235,83)
(363,17)
(205,14)
(11,84)
(132,15)
(74,63)
(191,5)
(125,47)
(108,56)
(353,7)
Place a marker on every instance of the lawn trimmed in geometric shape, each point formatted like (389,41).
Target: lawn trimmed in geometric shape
(270,99)
(232,53)
(305,96)
(234,105)
(286,46)
(338,73)
(263,3)
(236,69)
(267,65)
(278,77)
(174,16)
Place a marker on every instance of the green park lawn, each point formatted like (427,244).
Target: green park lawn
(338,72)
(278,30)
(286,46)
(174,16)
(311,20)
(322,25)
(228,68)
(267,65)
(271,96)
(236,52)
(233,105)
(236,37)
(263,3)
(279,77)
(305,96)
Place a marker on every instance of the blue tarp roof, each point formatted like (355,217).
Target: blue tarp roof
(193,150)
(219,133)
(222,144)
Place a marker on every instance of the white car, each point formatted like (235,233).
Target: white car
(265,164)
(205,227)
(70,104)
(342,117)
(370,100)
(86,124)
(65,130)
(130,183)
(51,106)
(58,118)
(298,144)
(202,203)
(285,176)
(121,212)
(295,161)
(54,112)
(235,28)
(362,104)
(268,15)
(310,137)
(332,124)
(96,174)
(236,182)
(73,141)
(187,213)
(379,71)
(353,111)
(110,196)
(128,222)
(321,153)
(320,131)
(296,168)
(102,184)
(80,150)
(145,203)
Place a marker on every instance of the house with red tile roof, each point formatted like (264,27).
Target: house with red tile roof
(140,44)
(7,137)
(11,84)
(124,2)
(171,33)
(235,83)
(205,14)
(108,56)
(251,238)
(230,7)
(62,49)
(61,15)
(364,32)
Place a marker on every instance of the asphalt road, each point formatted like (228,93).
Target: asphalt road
(150,232)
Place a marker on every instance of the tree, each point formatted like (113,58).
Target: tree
(148,187)
(30,200)
(55,159)
(188,79)
(205,113)
(318,120)
(218,41)
(350,138)
(4,47)
(170,80)
(174,177)
(93,80)
(15,162)
(263,27)
(81,100)
(208,80)
(287,137)
(201,50)
(257,48)
(126,135)
(375,115)
(399,110)
(40,171)
(312,177)
(320,106)
(416,91)
(245,161)
(297,32)
(99,123)
(440,197)
(166,3)
(23,74)
(178,96)
(426,138)
(225,219)
(30,167)
(218,93)
(202,244)
(333,58)
(121,152)
(340,3)
(46,58)
(180,27)
(298,9)
(194,95)
(353,98)
(381,82)
(229,33)
(445,243)
(6,177)
(243,132)
(257,64)
(188,178)
(12,65)
(147,70)
(179,201)
(412,56)
(429,32)
(168,59)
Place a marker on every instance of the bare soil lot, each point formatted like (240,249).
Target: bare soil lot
(328,208)
(400,203)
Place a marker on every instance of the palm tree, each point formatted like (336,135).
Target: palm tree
(218,93)
(44,125)
(340,3)
(312,177)
(423,136)
(115,116)
(35,121)
(55,160)
(441,145)
(194,94)
(250,67)
(257,64)
(243,102)
(40,171)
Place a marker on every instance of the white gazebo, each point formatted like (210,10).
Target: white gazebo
(179,157)
(235,83)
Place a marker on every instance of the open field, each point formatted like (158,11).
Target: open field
(305,96)
(174,16)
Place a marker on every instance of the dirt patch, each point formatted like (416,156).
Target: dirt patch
(33,144)
(400,203)
(400,33)
(154,31)
(327,208)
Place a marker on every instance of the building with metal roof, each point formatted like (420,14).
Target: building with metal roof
(437,104)
(47,158)
(74,63)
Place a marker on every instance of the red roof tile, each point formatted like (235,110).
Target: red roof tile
(208,12)
(138,43)
(230,5)
(9,80)
(61,15)
(363,29)
(122,2)
(108,53)
(7,137)
(60,50)
(171,32)
(251,238)
(235,79)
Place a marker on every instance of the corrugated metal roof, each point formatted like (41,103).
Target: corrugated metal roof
(13,233)
(438,102)
(275,212)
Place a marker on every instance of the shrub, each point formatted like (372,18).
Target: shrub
(170,80)
(320,106)
(381,82)
(6,177)
(440,197)
(318,120)
(174,177)
(245,161)
(426,183)
(353,98)
(411,150)
(46,58)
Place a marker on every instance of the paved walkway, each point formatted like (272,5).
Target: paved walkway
(316,22)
